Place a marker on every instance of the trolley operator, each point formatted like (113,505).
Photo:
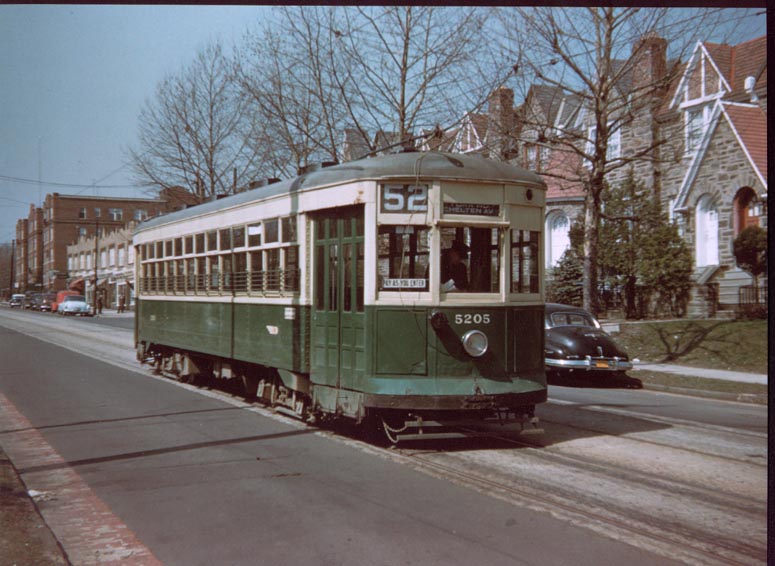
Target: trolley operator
(454,274)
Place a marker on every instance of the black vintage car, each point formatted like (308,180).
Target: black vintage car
(575,344)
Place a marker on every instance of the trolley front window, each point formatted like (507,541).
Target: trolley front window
(403,258)
(470,260)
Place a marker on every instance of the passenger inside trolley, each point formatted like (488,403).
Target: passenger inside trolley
(454,273)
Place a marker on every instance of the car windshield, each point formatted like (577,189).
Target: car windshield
(572,319)
(72,298)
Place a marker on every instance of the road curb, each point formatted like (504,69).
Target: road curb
(26,537)
(752,398)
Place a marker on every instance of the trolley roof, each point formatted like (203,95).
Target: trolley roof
(422,165)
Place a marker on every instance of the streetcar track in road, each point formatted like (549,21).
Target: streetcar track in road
(736,460)
(478,481)
(657,418)
(617,471)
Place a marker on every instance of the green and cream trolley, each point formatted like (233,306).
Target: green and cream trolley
(406,289)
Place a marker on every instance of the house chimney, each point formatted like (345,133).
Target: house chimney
(649,55)
(500,123)
(353,144)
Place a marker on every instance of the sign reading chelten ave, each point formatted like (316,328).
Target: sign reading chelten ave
(472,209)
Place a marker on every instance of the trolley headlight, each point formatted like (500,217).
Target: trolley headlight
(475,343)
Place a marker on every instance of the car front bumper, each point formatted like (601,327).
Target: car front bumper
(590,364)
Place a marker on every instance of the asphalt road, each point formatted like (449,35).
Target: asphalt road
(200,481)
(675,407)
(672,477)
(657,404)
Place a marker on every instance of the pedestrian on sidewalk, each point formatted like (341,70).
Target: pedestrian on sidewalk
(99,304)
(121,303)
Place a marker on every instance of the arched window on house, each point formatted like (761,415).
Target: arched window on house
(748,209)
(557,236)
(706,245)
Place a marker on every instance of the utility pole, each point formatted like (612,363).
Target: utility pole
(96,257)
(13,265)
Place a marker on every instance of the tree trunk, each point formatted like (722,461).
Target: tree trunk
(591,238)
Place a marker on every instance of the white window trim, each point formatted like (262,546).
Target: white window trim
(589,145)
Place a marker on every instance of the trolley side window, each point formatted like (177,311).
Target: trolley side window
(524,261)
(403,254)
(470,260)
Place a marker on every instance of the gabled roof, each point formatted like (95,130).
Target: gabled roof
(549,101)
(472,134)
(747,59)
(733,63)
(749,125)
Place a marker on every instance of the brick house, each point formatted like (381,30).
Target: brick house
(28,272)
(42,237)
(21,278)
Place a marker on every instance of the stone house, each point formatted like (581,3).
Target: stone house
(697,141)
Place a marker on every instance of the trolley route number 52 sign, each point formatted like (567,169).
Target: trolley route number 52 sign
(398,198)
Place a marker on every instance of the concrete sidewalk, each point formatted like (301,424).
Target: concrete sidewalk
(738,376)
(113,313)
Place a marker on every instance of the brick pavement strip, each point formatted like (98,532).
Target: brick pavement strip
(85,527)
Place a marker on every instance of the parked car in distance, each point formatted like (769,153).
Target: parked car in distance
(17,300)
(575,343)
(28,301)
(46,300)
(61,297)
(37,300)
(74,305)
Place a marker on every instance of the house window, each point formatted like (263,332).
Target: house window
(82,214)
(706,245)
(695,127)
(140,214)
(81,232)
(558,237)
(613,149)
(116,214)
(748,209)
(536,157)
(97,212)
(121,256)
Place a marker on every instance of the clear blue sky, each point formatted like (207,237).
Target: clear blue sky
(73,80)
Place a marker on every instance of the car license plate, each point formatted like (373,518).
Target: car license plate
(601,364)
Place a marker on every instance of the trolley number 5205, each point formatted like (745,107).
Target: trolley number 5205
(472,318)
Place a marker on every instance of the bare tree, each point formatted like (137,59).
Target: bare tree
(318,71)
(593,57)
(284,71)
(194,133)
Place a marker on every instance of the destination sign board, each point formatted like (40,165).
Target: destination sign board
(472,209)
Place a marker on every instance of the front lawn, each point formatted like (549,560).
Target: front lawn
(717,344)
